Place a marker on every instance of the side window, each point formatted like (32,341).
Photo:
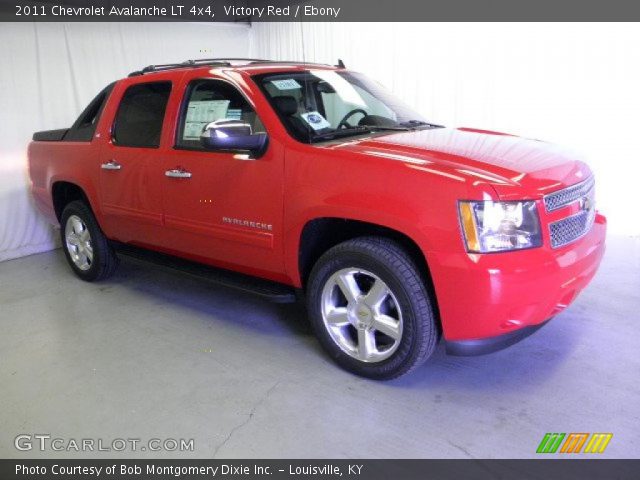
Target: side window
(207,101)
(140,115)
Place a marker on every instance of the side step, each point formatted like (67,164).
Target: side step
(272,291)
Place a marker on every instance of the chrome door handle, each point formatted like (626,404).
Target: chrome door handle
(177,173)
(111,165)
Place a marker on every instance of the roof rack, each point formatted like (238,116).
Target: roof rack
(219,62)
(173,66)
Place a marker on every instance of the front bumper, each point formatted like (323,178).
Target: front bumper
(491,301)
(480,346)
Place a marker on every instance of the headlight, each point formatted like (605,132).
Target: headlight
(500,226)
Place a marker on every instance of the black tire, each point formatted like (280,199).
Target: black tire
(388,261)
(105,260)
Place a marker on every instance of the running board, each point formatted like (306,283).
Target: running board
(271,291)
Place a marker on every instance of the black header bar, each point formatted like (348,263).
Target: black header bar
(317,10)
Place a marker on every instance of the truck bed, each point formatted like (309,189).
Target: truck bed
(50,135)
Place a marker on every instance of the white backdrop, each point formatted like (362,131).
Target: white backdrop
(50,72)
(573,84)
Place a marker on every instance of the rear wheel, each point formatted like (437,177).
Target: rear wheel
(370,309)
(85,246)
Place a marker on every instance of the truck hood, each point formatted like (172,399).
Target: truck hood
(515,167)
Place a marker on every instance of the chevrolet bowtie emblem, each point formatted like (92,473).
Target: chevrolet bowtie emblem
(586,204)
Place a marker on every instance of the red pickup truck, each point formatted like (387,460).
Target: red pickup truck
(285,178)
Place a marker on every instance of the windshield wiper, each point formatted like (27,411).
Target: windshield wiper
(420,123)
(356,131)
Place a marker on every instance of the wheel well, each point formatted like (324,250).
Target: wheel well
(321,234)
(65,192)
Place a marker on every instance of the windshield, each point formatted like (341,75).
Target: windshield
(318,105)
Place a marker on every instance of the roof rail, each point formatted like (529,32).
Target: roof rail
(172,66)
(218,62)
(248,61)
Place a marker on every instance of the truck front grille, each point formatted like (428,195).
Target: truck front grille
(571,228)
(568,195)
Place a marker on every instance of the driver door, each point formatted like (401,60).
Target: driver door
(222,208)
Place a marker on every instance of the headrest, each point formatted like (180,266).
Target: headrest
(286,105)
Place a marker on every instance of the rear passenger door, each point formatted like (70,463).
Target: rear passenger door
(130,165)
(225,209)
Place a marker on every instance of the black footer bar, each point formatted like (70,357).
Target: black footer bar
(566,469)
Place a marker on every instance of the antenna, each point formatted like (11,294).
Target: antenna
(306,77)
(304,60)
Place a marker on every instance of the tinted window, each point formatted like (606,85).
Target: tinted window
(208,101)
(140,115)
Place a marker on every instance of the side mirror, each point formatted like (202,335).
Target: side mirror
(233,135)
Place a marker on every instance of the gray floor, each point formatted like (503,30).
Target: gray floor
(150,354)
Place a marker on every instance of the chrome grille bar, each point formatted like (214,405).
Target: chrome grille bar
(568,195)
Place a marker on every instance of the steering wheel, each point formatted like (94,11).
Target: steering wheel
(343,123)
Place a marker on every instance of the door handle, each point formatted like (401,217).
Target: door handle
(177,173)
(111,165)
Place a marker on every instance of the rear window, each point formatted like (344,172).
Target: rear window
(85,126)
(140,116)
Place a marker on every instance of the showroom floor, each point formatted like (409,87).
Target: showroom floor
(154,354)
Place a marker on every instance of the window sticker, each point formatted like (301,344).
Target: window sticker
(234,114)
(200,113)
(288,84)
(315,120)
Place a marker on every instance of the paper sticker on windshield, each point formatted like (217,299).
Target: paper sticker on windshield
(288,84)
(315,120)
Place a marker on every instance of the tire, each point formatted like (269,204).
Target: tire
(372,332)
(87,249)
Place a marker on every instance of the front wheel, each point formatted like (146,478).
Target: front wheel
(370,309)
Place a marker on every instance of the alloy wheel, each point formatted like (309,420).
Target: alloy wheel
(78,241)
(362,315)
